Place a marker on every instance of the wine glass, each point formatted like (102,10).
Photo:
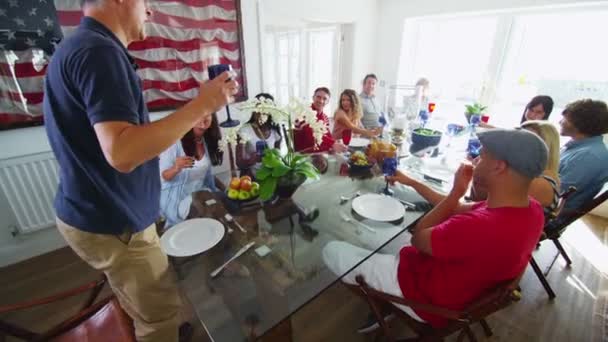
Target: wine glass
(214,71)
(346,136)
(389,168)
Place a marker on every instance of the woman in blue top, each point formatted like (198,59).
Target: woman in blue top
(186,167)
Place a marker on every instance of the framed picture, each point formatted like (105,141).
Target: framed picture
(183,39)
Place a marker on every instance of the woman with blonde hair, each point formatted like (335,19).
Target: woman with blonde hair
(545,188)
(348,117)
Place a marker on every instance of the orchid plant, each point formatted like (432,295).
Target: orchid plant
(293,166)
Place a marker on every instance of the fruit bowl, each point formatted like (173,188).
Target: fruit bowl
(242,189)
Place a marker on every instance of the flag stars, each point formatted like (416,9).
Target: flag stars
(19,21)
(30,42)
(12,3)
(33,11)
(10,35)
(48,21)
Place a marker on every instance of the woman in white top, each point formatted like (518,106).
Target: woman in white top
(186,167)
(259,128)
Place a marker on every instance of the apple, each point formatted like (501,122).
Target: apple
(245,177)
(235,183)
(233,194)
(244,195)
(245,185)
(255,189)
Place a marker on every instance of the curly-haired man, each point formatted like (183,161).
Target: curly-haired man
(584,159)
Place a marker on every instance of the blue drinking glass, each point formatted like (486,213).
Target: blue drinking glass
(475,119)
(474,148)
(214,71)
(260,147)
(389,168)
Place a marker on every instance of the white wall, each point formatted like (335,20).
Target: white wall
(392,14)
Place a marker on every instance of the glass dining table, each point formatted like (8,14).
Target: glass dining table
(255,296)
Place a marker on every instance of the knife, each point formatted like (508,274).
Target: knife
(238,254)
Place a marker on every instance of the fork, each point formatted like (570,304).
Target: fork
(350,220)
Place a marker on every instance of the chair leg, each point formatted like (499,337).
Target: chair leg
(486,328)
(466,331)
(542,278)
(562,251)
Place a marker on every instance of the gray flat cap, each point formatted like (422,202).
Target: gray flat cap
(524,151)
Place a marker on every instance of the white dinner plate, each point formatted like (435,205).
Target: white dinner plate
(378,207)
(192,237)
(358,142)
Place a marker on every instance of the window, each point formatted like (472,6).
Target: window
(556,54)
(454,54)
(298,61)
(505,59)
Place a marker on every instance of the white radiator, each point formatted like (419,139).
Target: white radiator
(29,184)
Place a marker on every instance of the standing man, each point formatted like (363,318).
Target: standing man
(304,140)
(584,159)
(372,111)
(107,148)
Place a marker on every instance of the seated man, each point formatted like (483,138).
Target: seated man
(461,250)
(584,159)
(304,140)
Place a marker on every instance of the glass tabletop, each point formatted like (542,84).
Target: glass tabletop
(284,269)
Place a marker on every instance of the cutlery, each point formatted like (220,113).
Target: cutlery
(227,226)
(229,218)
(346,218)
(238,254)
(344,199)
(406,203)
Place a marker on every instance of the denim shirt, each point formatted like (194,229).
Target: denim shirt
(583,164)
(176,194)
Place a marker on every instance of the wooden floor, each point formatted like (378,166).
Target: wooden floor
(577,314)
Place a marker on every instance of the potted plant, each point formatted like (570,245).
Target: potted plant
(283,174)
(474,109)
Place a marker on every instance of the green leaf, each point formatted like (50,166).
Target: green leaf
(280,170)
(267,188)
(263,173)
(271,161)
(308,173)
(308,170)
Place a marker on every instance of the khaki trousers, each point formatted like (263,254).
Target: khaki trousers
(138,272)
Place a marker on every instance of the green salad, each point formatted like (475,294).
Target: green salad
(426,131)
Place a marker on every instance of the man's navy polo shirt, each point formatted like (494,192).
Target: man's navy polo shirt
(92,79)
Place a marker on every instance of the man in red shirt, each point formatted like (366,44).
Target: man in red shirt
(458,251)
(304,140)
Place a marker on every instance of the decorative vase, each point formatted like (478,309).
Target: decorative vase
(288,184)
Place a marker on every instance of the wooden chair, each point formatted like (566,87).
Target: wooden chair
(458,321)
(95,322)
(563,197)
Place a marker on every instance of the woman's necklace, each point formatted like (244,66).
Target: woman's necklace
(259,132)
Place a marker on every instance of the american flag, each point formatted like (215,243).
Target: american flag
(183,38)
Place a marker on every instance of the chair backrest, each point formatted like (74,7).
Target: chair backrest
(569,216)
(563,197)
(103,321)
